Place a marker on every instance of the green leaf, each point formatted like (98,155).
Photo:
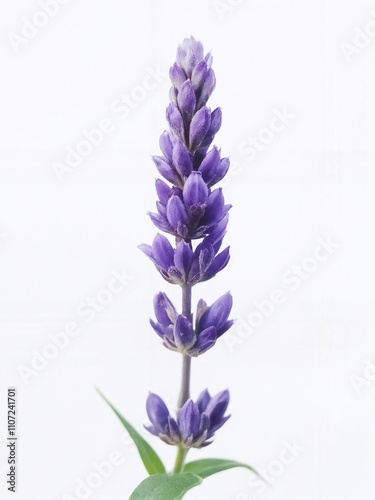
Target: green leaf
(149,457)
(208,466)
(165,486)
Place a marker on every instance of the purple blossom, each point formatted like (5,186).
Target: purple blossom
(177,331)
(189,207)
(182,265)
(196,423)
(189,213)
(216,315)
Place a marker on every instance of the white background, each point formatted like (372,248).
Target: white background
(301,376)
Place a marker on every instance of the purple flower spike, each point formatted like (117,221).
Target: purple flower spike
(194,214)
(196,423)
(189,210)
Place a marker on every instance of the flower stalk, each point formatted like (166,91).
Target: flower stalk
(185,380)
(180,459)
(186,360)
(191,210)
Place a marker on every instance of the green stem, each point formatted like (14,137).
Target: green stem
(180,459)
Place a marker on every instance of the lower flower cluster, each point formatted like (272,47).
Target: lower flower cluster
(196,423)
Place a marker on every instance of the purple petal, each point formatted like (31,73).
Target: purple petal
(217,234)
(184,335)
(195,213)
(186,101)
(216,119)
(169,344)
(219,424)
(198,75)
(199,155)
(162,251)
(175,120)
(161,330)
(216,409)
(165,311)
(188,420)
(173,429)
(218,264)
(221,171)
(151,429)
(189,54)
(176,212)
(218,313)
(166,170)
(203,400)
(163,191)
(173,92)
(183,257)
(181,159)
(202,258)
(206,340)
(209,165)
(199,126)
(146,249)
(205,424)
(201,307)
(214,209)
(195,190)
(161,223)
(165,144)
(157,411)
(213,128)
(207,88)
(225,327)
(200,232)
(177,76)
(208,60)
(162,210)
(174,276)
